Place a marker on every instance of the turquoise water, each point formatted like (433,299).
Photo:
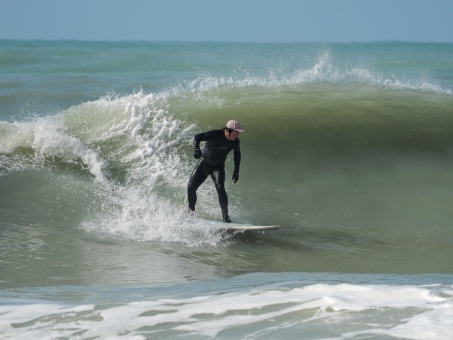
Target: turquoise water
(348,147)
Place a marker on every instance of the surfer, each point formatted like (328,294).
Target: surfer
(218,143)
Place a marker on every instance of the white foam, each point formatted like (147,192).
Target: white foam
(48,138)
(141,217)
(328,311)
(435,324)
(148,135)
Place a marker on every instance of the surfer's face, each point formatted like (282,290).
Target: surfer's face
(231,135)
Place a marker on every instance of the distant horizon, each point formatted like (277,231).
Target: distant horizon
(226,42)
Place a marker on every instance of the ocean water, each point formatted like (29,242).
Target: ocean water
(349,147)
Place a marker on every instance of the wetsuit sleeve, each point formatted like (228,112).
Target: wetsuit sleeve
(202,137)
(197,140)
(237,156)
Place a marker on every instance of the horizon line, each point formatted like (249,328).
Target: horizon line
(220,41)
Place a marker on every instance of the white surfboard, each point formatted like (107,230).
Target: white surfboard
(236,226)
(242,227)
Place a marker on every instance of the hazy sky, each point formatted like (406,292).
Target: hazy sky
(229,20)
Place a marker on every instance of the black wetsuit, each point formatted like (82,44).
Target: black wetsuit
(212,162)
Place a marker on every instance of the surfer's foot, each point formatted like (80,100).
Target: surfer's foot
(226,218)
(191,212)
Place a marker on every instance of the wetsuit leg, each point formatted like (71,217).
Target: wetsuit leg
(199,175)
(218,176)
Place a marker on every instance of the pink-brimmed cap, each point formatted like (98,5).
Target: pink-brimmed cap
(234,125)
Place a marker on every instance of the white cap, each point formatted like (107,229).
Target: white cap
(234,125)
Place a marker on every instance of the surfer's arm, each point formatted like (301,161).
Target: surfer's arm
(196,141)
(237,161)
(196,146)
(203,137)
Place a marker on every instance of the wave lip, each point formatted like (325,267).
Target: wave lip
(323,70)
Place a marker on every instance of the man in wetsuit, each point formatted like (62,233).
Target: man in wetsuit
(218,143)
